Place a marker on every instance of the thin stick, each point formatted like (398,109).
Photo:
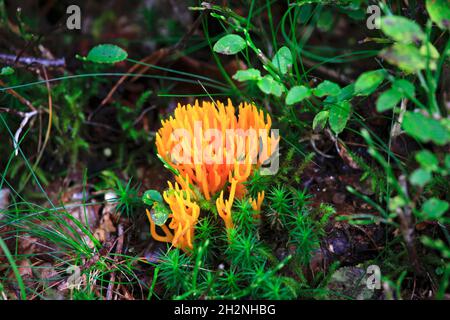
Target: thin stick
(25,119)
(11,58)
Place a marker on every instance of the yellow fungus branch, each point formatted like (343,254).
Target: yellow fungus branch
(231,159)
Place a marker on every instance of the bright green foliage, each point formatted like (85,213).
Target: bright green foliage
(6,71)
(307,90)
(245,217)
(368,82)
(207,229)
(400,89)
(257,183)
(246,75)
(175,270)
(151,196)
(407,57)
(280,205)
(278,288)
(230,44)
(339,115)
(327,88)
(404,87)
(106,53)
(439,11)
(425,128)
(239,263)
(420,177)
(388,100)
(402,29)
(297,94)
(126,195)
(434,208)
(282,60)
(268,85)
(427,160)
(320,120)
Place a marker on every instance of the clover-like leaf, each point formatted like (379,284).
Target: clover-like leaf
(430,54)
(369,81)
(327,88)
(420,177)
(106,53)
(406,57)
(434,208)
(425,129)
(6,71)
(388,100)
(297,94)
(247,75)
(151,196)
(282,60)
(320,120)
(339,115)
(427,160)
(230,44)
(346,93)
(405,87)
(402,29)
(268,85)
(439,11)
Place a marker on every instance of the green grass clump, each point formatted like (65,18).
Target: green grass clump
(241,262)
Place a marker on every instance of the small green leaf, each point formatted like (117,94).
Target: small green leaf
(396,202)
(388,100)
(430,54)
(269,86)
(106,53)
(401,88)
(405,87)
(427,160)
(439,11)
(297,94)
(402,29)
(339,115)
(434,208)
(230,44)
(406,57)
(6,71)
(346,93)
(327,88)
(368,82)
(159,213)
(151,196)
(282,60)
(424,128)
(420,177)
(247,75)
(320,120)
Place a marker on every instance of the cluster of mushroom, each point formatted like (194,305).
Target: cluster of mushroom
(211,150)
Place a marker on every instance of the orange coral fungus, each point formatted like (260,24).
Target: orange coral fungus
(256,204)
(184,216)
(224,207)
(210,146)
